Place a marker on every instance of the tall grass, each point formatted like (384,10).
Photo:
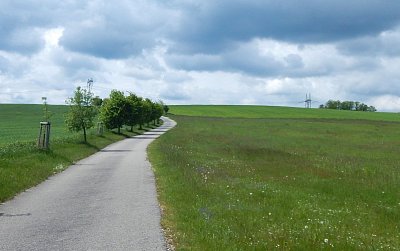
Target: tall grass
(285,184)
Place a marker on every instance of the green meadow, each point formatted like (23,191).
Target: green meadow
(245,111)
(20,123)
(266,178)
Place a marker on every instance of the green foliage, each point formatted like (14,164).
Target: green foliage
(97,101)
(114,110)
(81,113)
(158,111)
(148,108)
(279,183)
(348,106)
(119,110)
(166,109)
(142,110)
(134,110)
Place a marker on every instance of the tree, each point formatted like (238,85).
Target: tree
(156,111)
(159,111)
(134,109)
(362,107)
(114,110)
(147,111)
(97,101)
(332,104)
(166,109)
(356,105)
(348,105)
(81,113)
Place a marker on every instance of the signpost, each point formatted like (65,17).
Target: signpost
(44,132)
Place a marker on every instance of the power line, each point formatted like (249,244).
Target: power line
(308,101)
(31,91)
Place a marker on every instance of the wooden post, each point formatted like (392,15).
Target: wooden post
(44,136)
(100,128)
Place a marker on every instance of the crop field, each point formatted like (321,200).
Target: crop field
(20,123)
(289,182)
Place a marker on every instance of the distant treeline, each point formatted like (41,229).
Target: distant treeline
(348,105)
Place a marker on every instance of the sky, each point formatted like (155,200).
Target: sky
(253,52)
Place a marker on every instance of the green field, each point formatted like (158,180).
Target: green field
(281,179)
(232,111)
(21,122)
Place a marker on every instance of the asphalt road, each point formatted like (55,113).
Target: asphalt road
(107,201)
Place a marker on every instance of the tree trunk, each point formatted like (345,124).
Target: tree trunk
(84,133)
(131,128)
(140,127)
(119,130)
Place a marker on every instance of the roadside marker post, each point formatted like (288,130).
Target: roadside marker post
(44,136)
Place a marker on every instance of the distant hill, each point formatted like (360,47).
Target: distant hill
(245,111)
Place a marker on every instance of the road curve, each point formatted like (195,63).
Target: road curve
(107,201)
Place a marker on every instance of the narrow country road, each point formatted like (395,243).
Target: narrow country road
(104,202)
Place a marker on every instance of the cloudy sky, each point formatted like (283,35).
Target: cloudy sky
(267,52)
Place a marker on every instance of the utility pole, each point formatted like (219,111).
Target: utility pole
(308,101)
(89,85)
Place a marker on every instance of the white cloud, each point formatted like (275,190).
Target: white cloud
(387,102)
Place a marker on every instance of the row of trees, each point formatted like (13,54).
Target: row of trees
(348,105)
(114,112)
(131,110)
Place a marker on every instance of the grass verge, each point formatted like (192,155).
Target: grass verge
(23,165)
(279,184)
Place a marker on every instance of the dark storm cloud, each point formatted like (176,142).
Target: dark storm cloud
(386,44)
(17,28)
(111,30)
(120,30)
(22,23)
(244,58)
(26,41)
(212,26)
(247,59)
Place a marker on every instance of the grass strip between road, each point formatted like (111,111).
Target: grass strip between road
(23,165)
(266,184)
